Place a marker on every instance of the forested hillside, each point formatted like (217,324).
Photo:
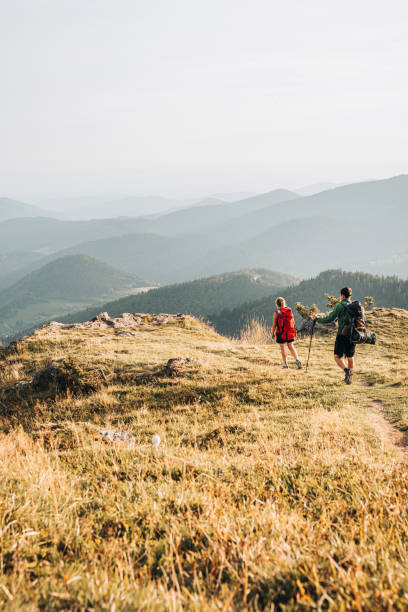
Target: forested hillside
(198,297)
(387,291)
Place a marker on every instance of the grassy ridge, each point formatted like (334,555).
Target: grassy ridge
(271,488)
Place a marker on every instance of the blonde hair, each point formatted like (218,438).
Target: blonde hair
(280,302)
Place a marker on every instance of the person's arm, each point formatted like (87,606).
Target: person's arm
(332,316)
(275,319)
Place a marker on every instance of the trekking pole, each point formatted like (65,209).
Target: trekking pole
(310,344)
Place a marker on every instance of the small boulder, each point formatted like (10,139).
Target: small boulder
(115,436)
(178,365)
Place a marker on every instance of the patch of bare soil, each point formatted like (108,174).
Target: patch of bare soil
(389,434)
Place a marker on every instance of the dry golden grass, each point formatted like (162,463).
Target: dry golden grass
(271,490)
(256,331)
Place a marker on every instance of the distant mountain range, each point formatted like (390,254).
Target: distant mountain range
(58,287)
(86,208)
(362,226)
(51,233)
(360,205)
(199,297)
(204,218)
(308,190)
(124,207)
(12,209)
(233,196)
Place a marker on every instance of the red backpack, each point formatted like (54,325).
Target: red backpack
(285,325)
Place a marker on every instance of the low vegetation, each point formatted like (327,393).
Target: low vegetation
(271,489)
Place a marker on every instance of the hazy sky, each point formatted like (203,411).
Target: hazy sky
(190,97)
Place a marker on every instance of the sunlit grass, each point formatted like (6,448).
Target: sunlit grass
(270,490)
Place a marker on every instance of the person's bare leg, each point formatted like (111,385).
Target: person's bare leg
(293,351)
(284,354)
(349,375)
(340,362)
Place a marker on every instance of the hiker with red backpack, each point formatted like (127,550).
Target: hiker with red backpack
(284,329)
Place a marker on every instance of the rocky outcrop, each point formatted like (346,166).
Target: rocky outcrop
(126,319)
(126,324)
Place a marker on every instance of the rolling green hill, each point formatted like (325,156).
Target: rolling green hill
(197,297)
(59,287)
(387,291)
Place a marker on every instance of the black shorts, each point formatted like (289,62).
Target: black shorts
(343,346)
(279,340)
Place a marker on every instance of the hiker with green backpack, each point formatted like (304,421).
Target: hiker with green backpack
(351,331)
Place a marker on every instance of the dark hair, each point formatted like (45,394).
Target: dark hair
(346,291)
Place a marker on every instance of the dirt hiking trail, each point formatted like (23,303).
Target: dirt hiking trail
(390,435)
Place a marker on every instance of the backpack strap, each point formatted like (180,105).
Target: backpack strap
(278,328)
(351,324)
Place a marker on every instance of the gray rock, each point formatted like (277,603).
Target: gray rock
(115,436)
(177,365)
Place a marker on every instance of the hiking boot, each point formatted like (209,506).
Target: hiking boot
(285,366)
(349,377)
(299,364)
(346,374)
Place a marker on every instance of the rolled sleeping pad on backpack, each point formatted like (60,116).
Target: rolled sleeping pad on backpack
(362,336)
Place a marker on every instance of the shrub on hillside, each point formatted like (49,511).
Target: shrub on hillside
(306,311)
(69,375)
(332,301)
